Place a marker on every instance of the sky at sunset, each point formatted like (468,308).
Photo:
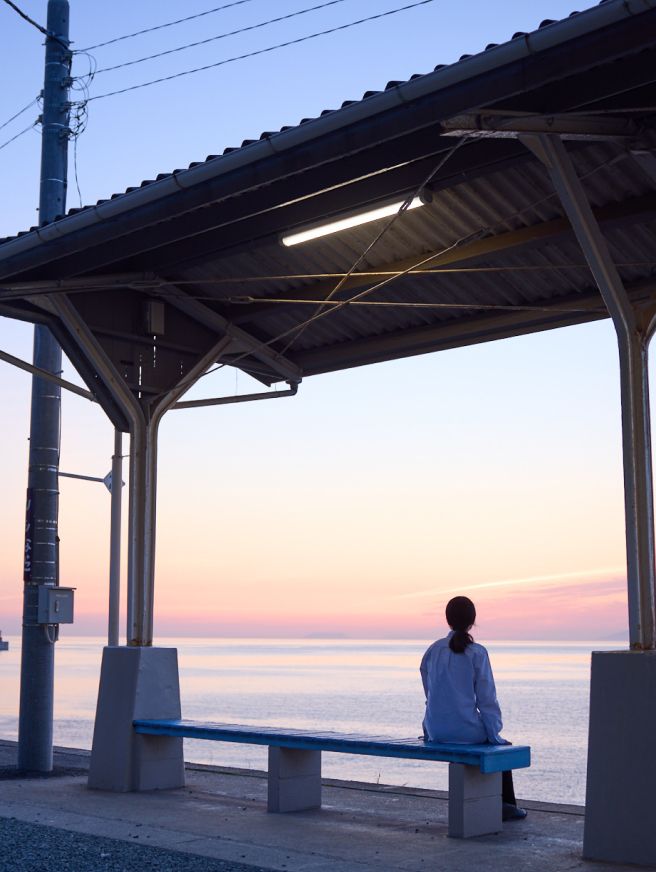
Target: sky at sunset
(361,505)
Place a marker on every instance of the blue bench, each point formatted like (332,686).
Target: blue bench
(294,775)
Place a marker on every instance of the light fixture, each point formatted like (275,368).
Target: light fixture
(351,221)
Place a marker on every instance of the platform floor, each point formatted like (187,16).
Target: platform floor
(221,814)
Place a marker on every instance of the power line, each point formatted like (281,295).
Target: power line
(387,226)
(9,141)
(168,24)
(27,18)
(220,36)
(20,112)
(18,292)
(340,304)
(295,331)
(34,23)
(482,233)
(264,50)
(79,115)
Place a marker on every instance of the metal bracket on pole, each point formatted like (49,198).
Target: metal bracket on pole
(634,328)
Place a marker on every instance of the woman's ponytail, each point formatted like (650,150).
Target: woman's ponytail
(460,616)
(459,641)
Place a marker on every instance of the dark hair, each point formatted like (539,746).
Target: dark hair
(461,617)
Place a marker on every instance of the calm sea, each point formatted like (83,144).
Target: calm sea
(351,686)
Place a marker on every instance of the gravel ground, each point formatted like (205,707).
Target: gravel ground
(26,847)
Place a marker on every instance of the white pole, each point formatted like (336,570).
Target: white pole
(115,541)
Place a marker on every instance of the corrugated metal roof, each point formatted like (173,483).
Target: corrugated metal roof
(270,134)
(209,245)
(497,202)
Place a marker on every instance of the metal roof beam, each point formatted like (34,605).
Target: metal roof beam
(277,363)
(140,281)
(497,125)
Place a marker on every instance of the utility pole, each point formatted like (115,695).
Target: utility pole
(41,566)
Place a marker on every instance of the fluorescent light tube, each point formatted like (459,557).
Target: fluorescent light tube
(346,223)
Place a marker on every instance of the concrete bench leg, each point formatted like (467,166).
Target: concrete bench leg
(474,802)
(294,779)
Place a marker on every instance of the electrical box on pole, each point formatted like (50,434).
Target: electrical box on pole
(55,605)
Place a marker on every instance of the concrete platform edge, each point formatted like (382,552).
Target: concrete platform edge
(367,786)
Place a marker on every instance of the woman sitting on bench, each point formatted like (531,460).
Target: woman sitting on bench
(461,699)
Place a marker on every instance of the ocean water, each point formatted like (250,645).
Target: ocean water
(351,686)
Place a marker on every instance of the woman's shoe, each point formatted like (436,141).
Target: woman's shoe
(512,812)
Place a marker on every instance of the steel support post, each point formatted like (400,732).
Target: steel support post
(144,426)
(142,529)
(143,468)
(143,501)
(115,541)
(41,541)
(634,327)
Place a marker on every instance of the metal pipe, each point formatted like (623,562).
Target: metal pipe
(82,477)
(141,524)
(633,347)
(241,398)
(136,511)
(634,330)
(115,542)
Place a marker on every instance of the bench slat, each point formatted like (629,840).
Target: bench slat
(489,758)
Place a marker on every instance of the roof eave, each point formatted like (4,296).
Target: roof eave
(516,50)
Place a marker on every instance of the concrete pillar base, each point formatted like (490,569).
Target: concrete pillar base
(619,813)
(136,683)
(474,802)
(294,779)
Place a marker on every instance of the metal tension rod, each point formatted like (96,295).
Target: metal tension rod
(48,376)
(634,328)
(241,398)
